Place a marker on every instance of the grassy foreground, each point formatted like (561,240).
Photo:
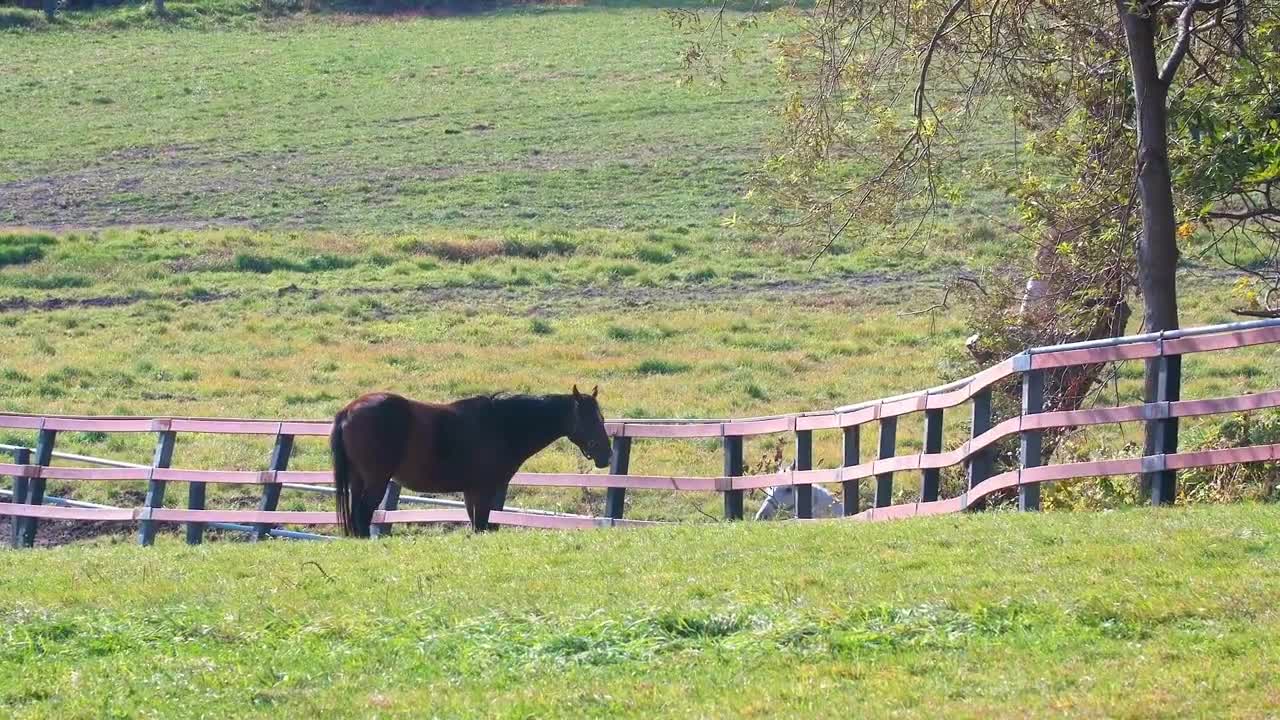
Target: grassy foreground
(1128,614)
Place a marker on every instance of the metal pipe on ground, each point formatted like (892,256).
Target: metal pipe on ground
(235,527)
(412,499)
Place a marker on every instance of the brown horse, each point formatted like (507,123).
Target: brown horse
(473,446)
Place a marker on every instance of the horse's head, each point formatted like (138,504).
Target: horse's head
(588,431)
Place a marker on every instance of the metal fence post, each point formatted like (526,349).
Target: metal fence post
(619,464)
(1164,483)
(280,453)
(980,462)
(1031,441)
(852,454)
(21,456)
(732,468)
(195,501)
(804,461)
(888,445)
(931,481)
(35,489)
(155,488)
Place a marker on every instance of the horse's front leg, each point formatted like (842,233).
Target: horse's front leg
(469,500)
(499,502)
(478,503)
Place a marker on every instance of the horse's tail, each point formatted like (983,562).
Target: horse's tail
(342,478)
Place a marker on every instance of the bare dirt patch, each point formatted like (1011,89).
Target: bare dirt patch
(193,187)
(552,300)
(20,304)
(51,533)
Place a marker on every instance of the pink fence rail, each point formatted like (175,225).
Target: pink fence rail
(32,470)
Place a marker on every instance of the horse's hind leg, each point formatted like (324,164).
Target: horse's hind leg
(364,502)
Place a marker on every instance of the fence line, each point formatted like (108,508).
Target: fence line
(1166,349)
(51,473)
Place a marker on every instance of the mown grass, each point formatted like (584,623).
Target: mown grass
(1131,614)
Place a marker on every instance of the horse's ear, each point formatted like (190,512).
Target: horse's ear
(575,391)
(595,391)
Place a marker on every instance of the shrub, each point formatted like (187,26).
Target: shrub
(536,248)
(456,250)
(661,367)
(1232,483)
(266,264)
(51,282)
(23,248)
(20,19)
(655,255)
(257,264)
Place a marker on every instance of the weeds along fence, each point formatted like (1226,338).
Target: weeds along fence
(33,467)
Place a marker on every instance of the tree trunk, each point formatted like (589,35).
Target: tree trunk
(159,6)
(1157,243)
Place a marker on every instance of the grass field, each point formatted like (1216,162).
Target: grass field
(406,203)
(233,215)
(278,325)
(552,117)
(1136,614)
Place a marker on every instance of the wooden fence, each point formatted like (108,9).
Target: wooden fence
(32,469)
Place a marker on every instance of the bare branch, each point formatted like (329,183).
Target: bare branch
(1184,36)
(1257,313)
(928,55)
(1261,212)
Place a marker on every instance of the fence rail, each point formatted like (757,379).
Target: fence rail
(33,468)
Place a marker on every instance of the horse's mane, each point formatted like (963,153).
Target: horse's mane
(511,405)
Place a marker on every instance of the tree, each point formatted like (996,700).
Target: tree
(889,88)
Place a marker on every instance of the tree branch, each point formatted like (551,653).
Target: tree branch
(928,55)
(1247,215)
(1256,313)
(1184,36)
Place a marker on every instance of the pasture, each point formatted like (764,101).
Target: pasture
(234,324)
(509,119)
(234,215)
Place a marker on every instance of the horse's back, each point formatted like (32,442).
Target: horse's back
(427,447)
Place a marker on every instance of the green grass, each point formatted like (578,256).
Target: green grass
(574,118)
(1132,614)
(526,200)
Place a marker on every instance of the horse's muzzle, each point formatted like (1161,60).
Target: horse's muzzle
(597,456)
